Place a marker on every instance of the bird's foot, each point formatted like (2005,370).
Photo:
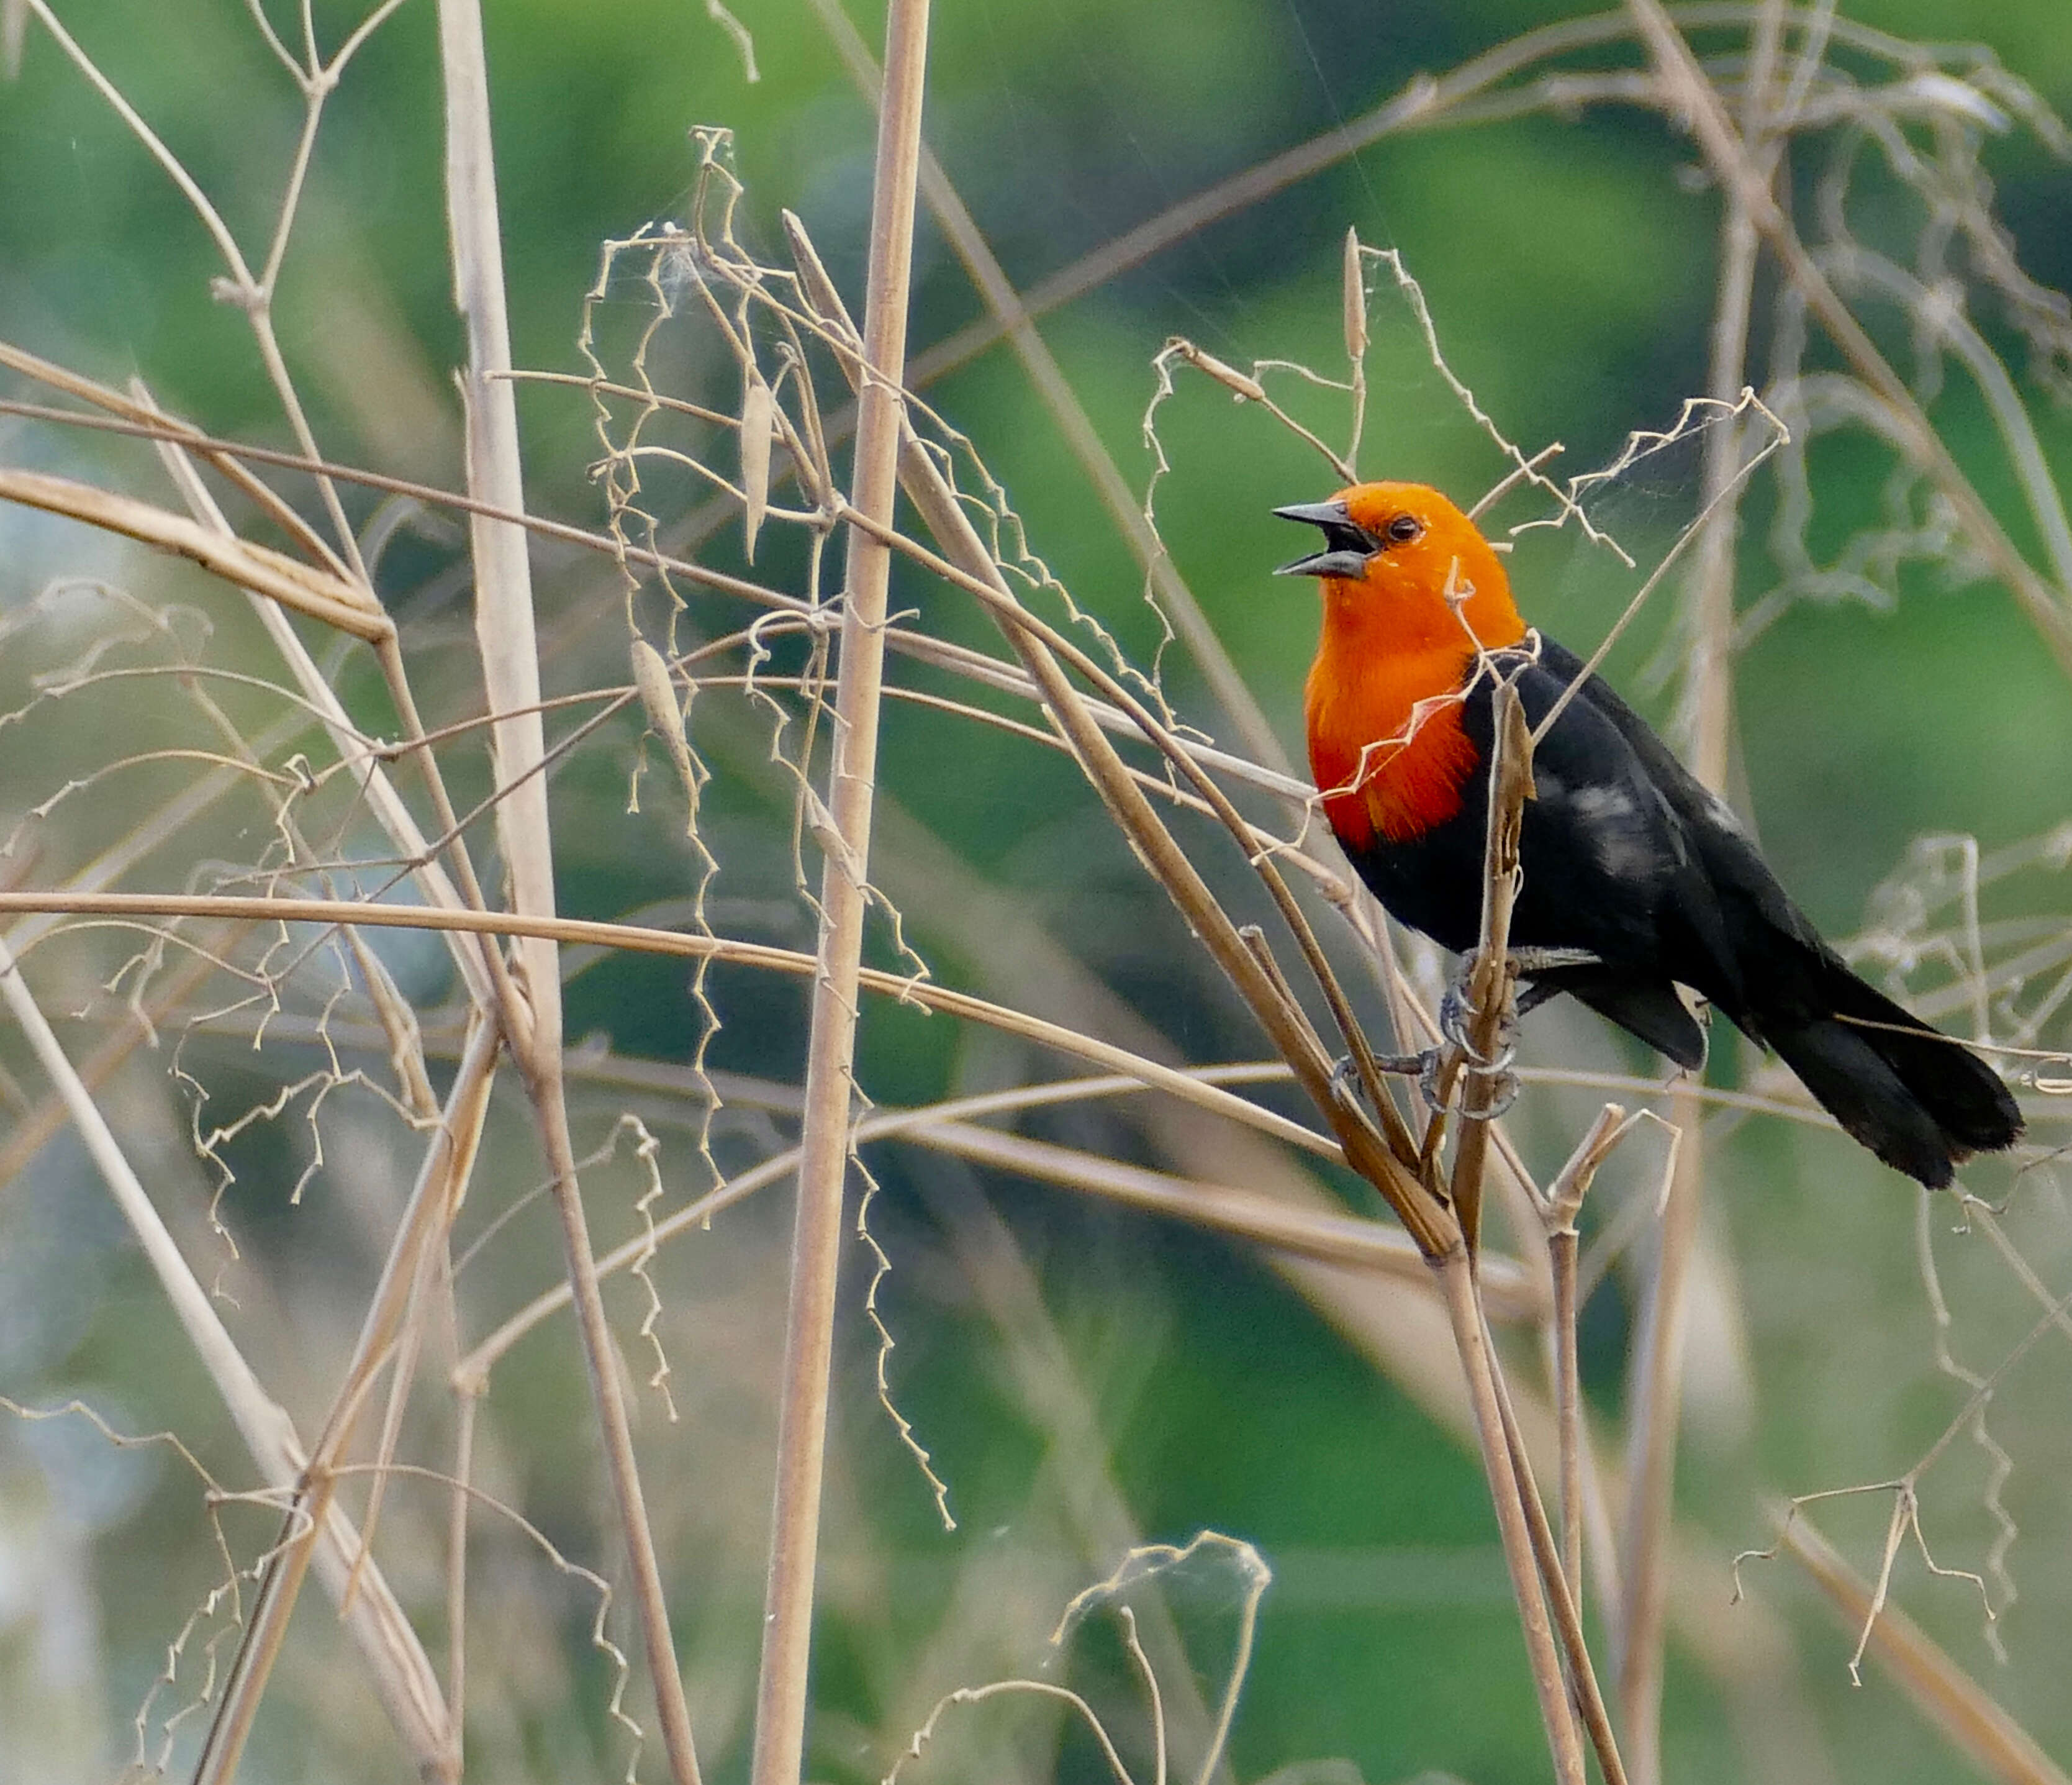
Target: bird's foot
(1457,1010)
(1503,1087)
(1423,1065)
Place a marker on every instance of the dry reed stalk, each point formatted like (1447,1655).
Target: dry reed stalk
(329,599)
(1741,175)
(1563,1203)
(1546,1605)
(782,1686)
(1974,1720)
(419,1234)
(1153,1074)
(530,1015)
(1455,1273)
(1640,1621)
(1047,378)
(403,1673)
(1241,1214)
(149,419)
(1564,1606)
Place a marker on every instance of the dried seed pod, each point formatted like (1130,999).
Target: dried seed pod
(1246,387)
(658,694)
(758,416)
(1355,300)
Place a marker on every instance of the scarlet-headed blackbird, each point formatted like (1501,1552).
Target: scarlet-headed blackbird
(1628,862)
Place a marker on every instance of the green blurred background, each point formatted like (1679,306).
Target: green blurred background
(1569,259)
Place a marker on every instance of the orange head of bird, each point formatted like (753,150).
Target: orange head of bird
(1405,572)
(1411,592)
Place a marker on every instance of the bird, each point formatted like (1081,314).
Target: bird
(1635,878)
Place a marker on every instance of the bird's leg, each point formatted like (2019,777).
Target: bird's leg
(1532,963)
(1454,1009)
(1422,1065)
(1457,1007)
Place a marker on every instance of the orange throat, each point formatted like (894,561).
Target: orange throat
(1386,747)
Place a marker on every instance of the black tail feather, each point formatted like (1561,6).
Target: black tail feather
(1921,1101)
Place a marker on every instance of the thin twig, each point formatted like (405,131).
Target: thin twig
(1968,1714)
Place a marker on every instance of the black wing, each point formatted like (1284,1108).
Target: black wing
(1729,916)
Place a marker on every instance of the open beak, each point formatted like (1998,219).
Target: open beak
(1346,546)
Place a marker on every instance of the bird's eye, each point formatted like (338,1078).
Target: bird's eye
(1402,529)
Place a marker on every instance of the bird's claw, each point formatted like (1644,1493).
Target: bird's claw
(1345,1078)
(1502,1093)
(1427,1065)
(1456,1011)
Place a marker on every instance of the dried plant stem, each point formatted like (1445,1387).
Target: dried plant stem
(531,1016)
(1564,1201)
(467,1413)
(1242,1214)
(419,1234)
(403,1673)
(1154,1074)
(1567,1370)
(1640,1621)
(1970,1716)
(1490,988)
(1456,1275)
(278,578)
(1056,392)
(825,1142)
(1741,174)
(149,419)
(279,1587)
(1536,1573)
(1562,1601)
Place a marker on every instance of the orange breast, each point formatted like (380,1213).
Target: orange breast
(1386,747)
